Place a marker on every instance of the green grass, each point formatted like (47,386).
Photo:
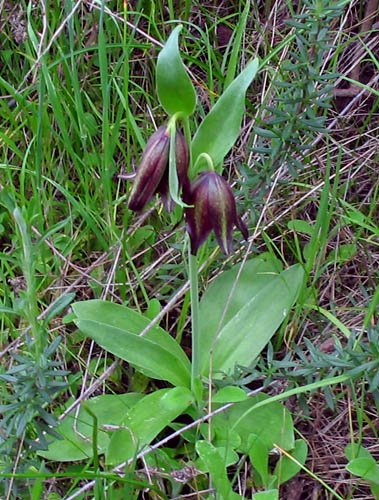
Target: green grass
(78,103)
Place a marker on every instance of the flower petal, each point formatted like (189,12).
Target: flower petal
(151,169)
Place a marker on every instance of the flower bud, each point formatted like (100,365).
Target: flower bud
(182,162)
(152,172)
(214,208)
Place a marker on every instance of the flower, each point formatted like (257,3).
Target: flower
(214,207)
(152,172)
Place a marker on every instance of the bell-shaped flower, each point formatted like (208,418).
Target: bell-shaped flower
(214,207)
(152,172)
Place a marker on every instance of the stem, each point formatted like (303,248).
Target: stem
(194,292)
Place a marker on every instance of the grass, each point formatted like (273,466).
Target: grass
(78,103)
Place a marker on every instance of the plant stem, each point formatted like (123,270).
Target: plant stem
(194,292)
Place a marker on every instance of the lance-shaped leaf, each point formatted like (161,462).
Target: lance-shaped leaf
(175,90)
(220,128)
(115,328)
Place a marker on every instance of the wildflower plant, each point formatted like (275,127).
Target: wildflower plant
(235,319)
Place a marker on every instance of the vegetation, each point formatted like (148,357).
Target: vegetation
(141,356)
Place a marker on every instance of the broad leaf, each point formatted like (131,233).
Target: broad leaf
(364,467)
(242,339)
(215,464)
(256,274)
(175,90)
(221,127)
(272,423)
(145,420)
(229,394)
(258,454)
(77,438)
(115,328)
(266,495)
(287,468)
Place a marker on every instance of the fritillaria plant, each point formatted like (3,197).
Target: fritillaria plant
(188,171)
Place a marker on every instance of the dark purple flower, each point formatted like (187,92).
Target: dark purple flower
(214,208)
(152,172)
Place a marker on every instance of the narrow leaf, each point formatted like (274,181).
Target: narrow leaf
(220,128)
(175,90)
(149,357)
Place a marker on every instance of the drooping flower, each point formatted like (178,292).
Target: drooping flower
(152,172)
(214,207)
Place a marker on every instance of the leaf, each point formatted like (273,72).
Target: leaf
(215,465)
(258,454)
(116,328)
(149,357)
(61,303)
(242,339)
(266,495)
(144,421)
(300,226)
(287,468)
(364,467)
(220,128)
(255,275)
(229,394)
(355,450)
(77,445)
(175,90)
(271,423)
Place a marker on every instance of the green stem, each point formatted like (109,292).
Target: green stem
(194,292)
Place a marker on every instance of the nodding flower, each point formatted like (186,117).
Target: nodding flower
(214,208)
(152,172)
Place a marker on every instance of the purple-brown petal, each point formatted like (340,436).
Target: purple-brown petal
(182,163)
(198,223)
(151,169)
(222,212)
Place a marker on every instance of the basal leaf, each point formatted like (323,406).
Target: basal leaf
(256,274)
(117,328)
(144,421)
(286,468)
(147,356)
(220,128)
(77,442)
(215,464)
(175,90)
(271,423)
(242,339)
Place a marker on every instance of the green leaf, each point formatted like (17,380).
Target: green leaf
(214,463)
(175,90)
(256,274)
(115,328)
(258,454)
(287,468)
(242,339)
(144,421)
(271,423)
(63,301)
(77,444)
(364,467)
(300,226)
(355,450)
(220,128)
(266,495)
(229,394)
